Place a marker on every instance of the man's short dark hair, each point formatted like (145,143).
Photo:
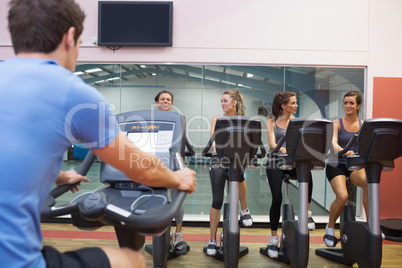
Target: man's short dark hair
(39,25)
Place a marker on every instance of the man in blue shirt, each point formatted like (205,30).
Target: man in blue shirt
(45,108)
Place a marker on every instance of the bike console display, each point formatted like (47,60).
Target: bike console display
(154,137)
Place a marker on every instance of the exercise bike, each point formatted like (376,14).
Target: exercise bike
(160,243)
(237,140)
(135,210)
(307,143)
(379,144)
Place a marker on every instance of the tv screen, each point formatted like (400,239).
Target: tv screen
(135,23)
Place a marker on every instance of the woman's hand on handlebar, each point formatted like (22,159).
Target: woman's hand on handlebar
(187,180)
(70,177)
(282,150)
(349,153)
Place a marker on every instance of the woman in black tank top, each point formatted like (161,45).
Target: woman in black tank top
(283,106)
(337,171)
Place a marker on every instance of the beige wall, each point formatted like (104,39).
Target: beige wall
(312,32)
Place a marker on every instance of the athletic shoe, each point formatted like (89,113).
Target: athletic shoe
(245,218)
(273,249)
(211,249)
(311,222)
(329,238)
(178,237)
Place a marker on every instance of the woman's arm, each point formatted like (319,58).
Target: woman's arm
(335,144)
(337,147)
(213,123)
(271,136)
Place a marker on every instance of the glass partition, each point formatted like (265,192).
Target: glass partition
(197,91)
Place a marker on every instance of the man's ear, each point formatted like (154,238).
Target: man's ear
(70,42)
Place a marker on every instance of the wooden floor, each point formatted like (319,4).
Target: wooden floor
(66,237)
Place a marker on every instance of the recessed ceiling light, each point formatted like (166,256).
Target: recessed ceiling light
(113,78)
(93,70)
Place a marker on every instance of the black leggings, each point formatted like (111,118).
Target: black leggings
(275,180)
(218,178)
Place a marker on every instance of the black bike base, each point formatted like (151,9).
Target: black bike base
(392,229)
(281,256)
(220,253)
(172,252)
(361,246)
(294,249)
(334,254)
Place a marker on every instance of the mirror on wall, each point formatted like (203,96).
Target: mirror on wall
(197,91)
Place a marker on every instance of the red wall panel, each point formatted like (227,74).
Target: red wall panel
(387,102)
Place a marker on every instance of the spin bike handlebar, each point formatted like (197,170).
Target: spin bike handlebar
(206,152)
(274,152)
(190,149)
(96,204)
(152,218)
(347,147)
(48,209)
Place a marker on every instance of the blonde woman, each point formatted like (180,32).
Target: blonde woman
(232,105)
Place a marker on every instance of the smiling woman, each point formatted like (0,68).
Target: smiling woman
(164,100)
(344,129)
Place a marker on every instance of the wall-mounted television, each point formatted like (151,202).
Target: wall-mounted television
(132,23)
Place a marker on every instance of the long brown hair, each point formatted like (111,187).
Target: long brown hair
(281,98)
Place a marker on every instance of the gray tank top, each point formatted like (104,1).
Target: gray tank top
(344,137)
(279,132)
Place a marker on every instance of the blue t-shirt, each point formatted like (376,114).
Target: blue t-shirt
(44,108)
